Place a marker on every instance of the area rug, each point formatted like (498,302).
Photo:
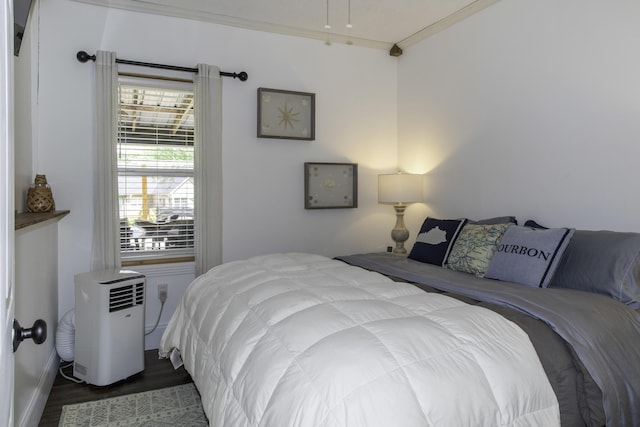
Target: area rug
(177,406)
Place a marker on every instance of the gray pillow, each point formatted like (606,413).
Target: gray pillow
(604,262)
(495,220)
(528,256)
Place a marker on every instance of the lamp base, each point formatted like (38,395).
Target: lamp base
(400,234)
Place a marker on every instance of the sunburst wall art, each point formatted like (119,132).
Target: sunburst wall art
(286,114)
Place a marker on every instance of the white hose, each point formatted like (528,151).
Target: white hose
(65,336)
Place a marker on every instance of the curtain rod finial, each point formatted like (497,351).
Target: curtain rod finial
(83,56)
(242,76)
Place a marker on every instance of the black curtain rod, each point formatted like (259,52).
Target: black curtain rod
(83,57)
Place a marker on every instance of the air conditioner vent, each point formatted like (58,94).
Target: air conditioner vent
(126,296)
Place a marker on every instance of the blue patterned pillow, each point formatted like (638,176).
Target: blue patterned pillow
(474,248)
(435,239)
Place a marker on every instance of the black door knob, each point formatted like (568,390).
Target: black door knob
(38,333)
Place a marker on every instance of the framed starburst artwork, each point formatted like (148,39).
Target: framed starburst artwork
(330,185)
(286,114)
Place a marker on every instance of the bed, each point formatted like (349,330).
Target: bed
(377,340)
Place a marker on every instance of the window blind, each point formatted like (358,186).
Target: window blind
(155,161)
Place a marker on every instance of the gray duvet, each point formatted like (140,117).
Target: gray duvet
(596,374)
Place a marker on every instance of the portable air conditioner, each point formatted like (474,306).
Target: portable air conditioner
(109,326)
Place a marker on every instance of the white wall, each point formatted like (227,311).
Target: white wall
(36,295)
(25,86)
(529,108)
(264,212)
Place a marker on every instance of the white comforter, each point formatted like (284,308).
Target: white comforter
(302,340)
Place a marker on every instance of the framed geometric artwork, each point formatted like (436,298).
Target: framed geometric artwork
(285,114)
(330,185)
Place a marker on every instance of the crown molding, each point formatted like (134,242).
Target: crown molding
(446,22)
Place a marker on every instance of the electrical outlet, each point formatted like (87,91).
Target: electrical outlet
(163,290)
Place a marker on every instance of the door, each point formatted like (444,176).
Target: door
(6,214)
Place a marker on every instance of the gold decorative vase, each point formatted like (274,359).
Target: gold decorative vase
(39,196)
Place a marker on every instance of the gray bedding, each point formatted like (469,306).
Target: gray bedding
(602,336)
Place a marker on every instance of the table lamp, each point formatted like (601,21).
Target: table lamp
(400,190)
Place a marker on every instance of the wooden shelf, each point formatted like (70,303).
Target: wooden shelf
(29,219)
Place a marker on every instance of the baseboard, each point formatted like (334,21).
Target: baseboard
(35,408)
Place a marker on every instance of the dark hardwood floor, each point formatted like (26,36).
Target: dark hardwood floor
(157,374)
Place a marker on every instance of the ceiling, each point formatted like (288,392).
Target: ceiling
(375,23)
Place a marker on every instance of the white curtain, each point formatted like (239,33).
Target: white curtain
(208,168)
(105,250)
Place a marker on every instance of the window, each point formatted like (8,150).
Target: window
(155,163)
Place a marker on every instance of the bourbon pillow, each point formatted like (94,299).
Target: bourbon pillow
(529,256)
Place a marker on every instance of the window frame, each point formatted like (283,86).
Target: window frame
(167,80)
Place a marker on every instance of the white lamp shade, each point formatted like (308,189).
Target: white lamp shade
(400,188)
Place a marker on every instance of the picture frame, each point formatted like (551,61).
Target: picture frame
(330,185)
(286,114)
